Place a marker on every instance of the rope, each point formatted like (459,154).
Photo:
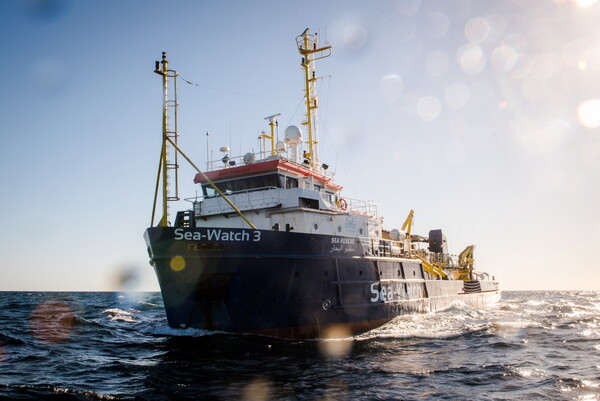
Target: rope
(230,91)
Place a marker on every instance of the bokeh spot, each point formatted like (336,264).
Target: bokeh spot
(177,263)
(51,322)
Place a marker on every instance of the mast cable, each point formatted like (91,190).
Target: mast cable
(232,91)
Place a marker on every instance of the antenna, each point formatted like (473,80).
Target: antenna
(207,154)
(308,46)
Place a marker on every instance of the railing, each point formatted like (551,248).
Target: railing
(361,206)
(390,248)
(236,161)
(247,199)
(227,162)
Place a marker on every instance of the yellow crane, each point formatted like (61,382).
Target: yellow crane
(407,226)
(465,263)
(432,268)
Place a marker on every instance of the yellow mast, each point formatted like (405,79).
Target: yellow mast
(168,163)
(272,123)
(308,46)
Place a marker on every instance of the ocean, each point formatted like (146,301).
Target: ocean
(542,345)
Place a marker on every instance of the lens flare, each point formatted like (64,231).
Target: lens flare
(429,108)
(259,389)
(3,356)
(471,59)
(335,342)
(177,263)
(51,322)
(504,58)
(477,30)
(355,36)
(588,113)
(585,3)
(391,88)
(457,95)
(408,7)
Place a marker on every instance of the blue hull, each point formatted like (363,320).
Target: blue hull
(291,285)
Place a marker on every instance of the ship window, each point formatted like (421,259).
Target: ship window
(317,187)
(244,184)
(309,203)
(316,226)
(291,182)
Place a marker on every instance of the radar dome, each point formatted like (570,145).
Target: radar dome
(293,134)
(249,158)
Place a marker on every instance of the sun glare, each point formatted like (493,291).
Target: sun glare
(588,113)
(585,3)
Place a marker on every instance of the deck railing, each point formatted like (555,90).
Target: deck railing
(390,248)
(361,206)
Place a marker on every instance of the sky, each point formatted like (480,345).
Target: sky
(482,116)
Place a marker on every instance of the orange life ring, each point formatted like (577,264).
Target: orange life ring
(343,204)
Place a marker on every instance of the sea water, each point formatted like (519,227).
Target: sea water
(105,346)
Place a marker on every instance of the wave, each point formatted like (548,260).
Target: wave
(117,314)
(451,323)
(17,391)
(6,339)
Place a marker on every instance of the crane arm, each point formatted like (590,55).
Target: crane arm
(407,226)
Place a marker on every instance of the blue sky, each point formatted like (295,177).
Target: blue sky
(482,116)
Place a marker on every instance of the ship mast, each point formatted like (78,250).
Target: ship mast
(308,46)
(168,165)
(168,162)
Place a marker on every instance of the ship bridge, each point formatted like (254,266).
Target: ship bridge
(283,195)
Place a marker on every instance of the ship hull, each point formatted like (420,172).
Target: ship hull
(292,285)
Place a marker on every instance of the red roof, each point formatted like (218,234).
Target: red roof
(264,167)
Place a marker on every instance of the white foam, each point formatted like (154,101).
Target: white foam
(188,332)
(115,314)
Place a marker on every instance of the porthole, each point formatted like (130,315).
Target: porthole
(360,273)
(339,229)
(316,226)
(360,231)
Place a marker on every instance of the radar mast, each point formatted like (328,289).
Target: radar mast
(308,46)
(168,162)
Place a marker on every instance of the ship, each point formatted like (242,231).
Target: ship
(272,247)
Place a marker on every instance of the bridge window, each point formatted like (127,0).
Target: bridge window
(245,184)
